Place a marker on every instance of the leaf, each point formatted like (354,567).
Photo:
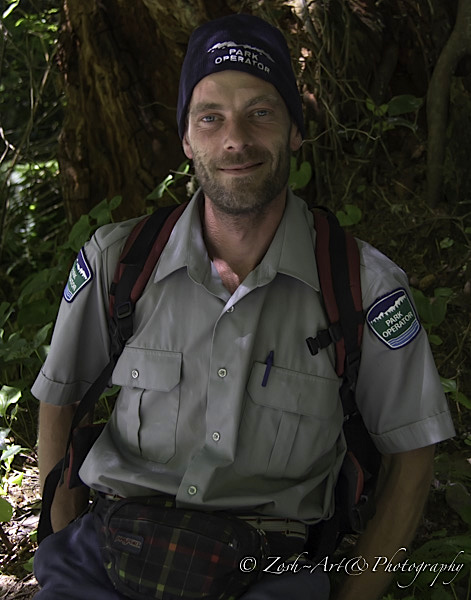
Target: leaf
(299,177)
(182,170)
(159,191)
(6,310)
(38,282)
(8,397)
(36,313)
(79,234)
(462,399)
(378,111)
(42,335)
(16,348)
(448,385)
(453,551)
(10,452)
(16,479)
(28,566)
(115,202)
(4,432)
(432,311)
(102,211)
(350,216)
(446,243)
(400,105)
(6,510)
(453,467)
(10,9)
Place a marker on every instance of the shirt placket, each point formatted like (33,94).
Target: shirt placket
(230,362)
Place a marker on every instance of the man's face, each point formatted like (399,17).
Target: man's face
(240,137)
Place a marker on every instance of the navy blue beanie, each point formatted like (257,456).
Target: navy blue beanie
(241,43)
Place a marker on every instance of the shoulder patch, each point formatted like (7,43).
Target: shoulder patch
(393,319)
(79,276)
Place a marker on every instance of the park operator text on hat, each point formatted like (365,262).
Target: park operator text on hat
(241,43)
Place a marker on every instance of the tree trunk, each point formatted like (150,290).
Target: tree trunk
(120,62)
(438,97)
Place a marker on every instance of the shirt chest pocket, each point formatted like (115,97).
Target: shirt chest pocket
(146,412)
(288,426)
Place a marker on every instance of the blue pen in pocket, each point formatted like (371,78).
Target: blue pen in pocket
(269,364)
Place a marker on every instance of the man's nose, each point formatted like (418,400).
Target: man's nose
(237,134)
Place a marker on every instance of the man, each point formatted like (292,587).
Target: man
(221,405)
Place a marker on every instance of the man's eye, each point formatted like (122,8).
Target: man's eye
(262,112)
(208,119)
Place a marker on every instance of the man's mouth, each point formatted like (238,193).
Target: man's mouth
(242,169)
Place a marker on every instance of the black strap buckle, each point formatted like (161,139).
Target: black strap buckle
(324,338)
(124,310)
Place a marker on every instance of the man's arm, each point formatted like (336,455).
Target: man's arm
(54,426)
(399,508)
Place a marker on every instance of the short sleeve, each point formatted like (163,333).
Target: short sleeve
(80,343)
(399,392)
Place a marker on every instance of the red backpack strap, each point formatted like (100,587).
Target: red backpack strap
(338,264)
(141,253)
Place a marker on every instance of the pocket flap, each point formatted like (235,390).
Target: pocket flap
(293,391)
(148,369)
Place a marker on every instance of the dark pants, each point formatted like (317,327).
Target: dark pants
(68,566)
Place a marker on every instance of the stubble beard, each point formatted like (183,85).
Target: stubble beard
(249,195)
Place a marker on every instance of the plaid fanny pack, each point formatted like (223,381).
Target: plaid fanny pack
(153,550)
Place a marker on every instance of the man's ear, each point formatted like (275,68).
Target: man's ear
(295,138)
(186,146)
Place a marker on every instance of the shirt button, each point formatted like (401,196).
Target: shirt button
(134,373)
(192,490)
(232,309)
(216,436)
(222,372)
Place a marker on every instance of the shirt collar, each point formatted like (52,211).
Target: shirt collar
(297,257)
(185,247)
(290,253)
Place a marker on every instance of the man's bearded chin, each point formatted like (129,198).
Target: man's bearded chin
(247,195)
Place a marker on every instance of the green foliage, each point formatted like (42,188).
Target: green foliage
(9,398)
(369,133)
(100,215)
(165,187)
(6,510)
(391,115)
(25,328)
(351,215)
(432,311)
(30,117)
(450,386)
(299,177)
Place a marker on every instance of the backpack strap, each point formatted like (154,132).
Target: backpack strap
(138,259)
(338,264)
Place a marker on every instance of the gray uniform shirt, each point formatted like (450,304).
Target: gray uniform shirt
(193,418)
